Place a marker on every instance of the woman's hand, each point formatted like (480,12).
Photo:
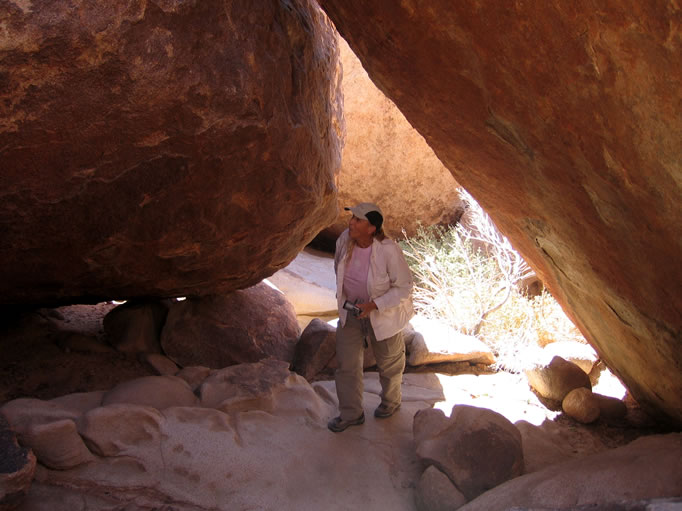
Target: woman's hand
(366,308)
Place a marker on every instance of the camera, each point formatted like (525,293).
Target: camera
(352,308)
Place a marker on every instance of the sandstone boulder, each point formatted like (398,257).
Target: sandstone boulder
(57,444)
(241,327)
(476,448)
(553,381)
(135,327)
(386,161)
(582,405)
(118,428)
(163,149)
(563,123)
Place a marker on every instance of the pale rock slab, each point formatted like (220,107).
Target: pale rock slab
(309,283)
(191,458)
(429,341)
(120,428)
(277,450)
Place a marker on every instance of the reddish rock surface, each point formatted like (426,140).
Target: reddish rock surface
(386,161)
(563,120)
(246,326)
(162,148)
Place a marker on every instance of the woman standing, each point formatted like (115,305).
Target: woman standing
(372,274)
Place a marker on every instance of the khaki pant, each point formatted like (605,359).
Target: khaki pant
(390,357)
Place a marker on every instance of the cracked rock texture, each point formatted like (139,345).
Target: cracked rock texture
(162,148)
(564,122)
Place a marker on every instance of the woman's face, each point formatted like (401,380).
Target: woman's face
(360,229)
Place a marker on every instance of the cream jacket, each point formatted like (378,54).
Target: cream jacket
(389,285)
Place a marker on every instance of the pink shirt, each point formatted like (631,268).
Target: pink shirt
(355,276)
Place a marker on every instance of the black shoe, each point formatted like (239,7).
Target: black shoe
(337,424)
(383,411)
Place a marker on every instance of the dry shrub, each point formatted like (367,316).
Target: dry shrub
(470,278)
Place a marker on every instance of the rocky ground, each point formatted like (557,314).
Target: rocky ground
(48,353)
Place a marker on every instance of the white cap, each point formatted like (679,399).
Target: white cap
(361,210)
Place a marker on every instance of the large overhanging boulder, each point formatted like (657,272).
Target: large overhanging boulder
(162,148)
(564,121)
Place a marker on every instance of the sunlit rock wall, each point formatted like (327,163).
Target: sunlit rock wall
(386,161)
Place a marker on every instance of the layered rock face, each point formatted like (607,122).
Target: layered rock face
(386,161)
(162,148)
(564,122)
